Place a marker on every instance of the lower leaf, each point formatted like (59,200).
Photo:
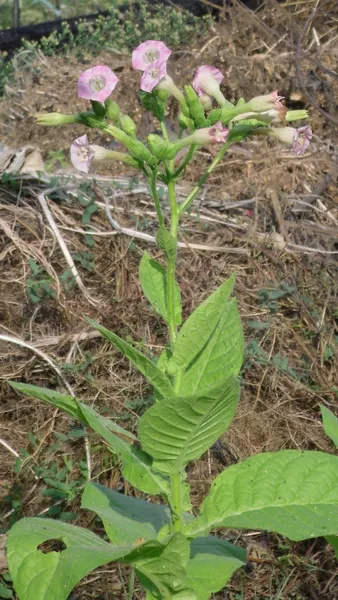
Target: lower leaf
(43,573)
(290,492)
(212,562)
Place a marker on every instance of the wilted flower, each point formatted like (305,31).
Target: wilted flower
(96,83)
(264,103)
(274,115)
(217,134)
(81,154)
(153,75)
(299,138)
(148,53)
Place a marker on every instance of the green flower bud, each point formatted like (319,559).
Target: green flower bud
(112,110)
(162,94)
(128,125)
(157,146)
(166,242)
(195,107)
(99,109)
(185,122)
(55,119)
(296,115)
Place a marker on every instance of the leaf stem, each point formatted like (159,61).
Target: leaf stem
(176,503)
(152,181)
(190,198)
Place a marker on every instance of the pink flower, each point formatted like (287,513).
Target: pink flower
(217,134)
(81,154)
(299,138)
(148,53)
(96,83)
(207,80)
(264,103)
(302,139)
(153,75)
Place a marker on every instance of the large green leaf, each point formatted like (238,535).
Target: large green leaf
(221,357)
(67,403)
(158,379)
(136,464)
(52,575)
(153,279)
(176,431)
(197,329)
(212,563)
(291,492)
(161,568)
(330,423)
(125,519)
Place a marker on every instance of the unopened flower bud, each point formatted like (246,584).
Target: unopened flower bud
(157,146)
(112,110)
(195,107)
(184,122)
(206,102)
(296,115)
(55,119)
(128,125)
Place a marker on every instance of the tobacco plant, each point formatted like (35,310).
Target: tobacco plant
(174,548)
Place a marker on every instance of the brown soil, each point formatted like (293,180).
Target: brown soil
(266,242)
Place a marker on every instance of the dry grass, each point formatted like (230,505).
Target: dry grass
(270,243)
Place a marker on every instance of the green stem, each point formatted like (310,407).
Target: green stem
(191,197)
(152,181)
(171,262)
(167,139)
(187,159)
(176,503)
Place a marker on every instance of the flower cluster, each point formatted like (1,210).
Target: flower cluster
(204,122)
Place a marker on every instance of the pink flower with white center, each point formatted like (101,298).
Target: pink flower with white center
(81,154)
(148,53)
(264,103)
(207,80)
(153,75)
(299,138)
(96,83)
(217,134)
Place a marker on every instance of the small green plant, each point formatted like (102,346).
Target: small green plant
(38,286)
(171,546)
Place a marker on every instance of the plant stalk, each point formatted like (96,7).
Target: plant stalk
(171,262)
(176,503)
(191,197)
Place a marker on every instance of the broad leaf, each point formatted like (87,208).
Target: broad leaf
(176,431)
(158,379)
(330,423)
(63,401)
(290,492)
(333,540)
(197,329)
(136,464)
(221,357)
(160,568)
(154,284)
(52,575)
(212,563)
(68,404)
(125,519)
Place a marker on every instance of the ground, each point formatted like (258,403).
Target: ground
(257,218)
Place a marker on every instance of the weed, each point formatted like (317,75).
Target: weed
(38,285)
